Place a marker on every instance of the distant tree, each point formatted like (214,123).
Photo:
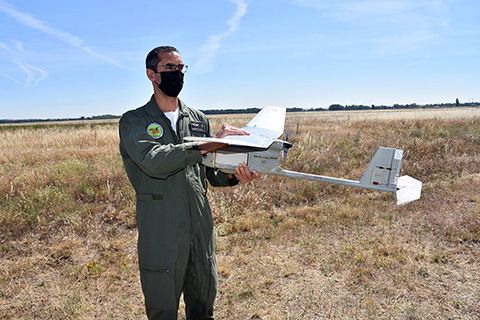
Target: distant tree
(357,107)
(294,109)
(457,103)
(335,107)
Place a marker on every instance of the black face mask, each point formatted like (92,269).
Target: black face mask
(171,82)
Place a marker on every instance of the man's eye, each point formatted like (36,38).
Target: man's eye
(170,66)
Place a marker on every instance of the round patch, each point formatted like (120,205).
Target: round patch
(155,130)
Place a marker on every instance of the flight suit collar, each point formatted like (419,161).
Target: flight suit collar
(153,109)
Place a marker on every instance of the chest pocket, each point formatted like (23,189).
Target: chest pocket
(198,128)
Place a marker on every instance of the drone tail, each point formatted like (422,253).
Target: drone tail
(383,171)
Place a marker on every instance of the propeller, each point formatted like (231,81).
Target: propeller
(286,145)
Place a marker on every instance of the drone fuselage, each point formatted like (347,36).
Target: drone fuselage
(259,159)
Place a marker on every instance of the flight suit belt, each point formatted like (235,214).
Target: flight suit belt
(159,196)
(149,196)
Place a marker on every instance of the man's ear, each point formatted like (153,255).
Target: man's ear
(150,74)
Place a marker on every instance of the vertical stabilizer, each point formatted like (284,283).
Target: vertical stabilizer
(270,118)
(384,168)
(384,171)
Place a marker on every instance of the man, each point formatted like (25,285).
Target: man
(176,245)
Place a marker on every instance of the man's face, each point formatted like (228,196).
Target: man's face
(169,61)
(167,79)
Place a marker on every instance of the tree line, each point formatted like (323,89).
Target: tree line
(336,107)
(333,107)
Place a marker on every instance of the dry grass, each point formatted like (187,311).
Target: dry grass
(287,249)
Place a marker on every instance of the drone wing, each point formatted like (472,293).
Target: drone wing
(264,129)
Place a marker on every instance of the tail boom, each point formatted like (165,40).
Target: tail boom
(345,182)
(382,173)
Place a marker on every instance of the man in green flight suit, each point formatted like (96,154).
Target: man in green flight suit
(176,241)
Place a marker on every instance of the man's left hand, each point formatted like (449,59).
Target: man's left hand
(244,175)
(229,130)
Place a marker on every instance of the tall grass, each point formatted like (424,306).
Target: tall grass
(287,249)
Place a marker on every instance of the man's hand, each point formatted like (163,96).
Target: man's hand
(229,130)
(206,147)
(225,130)
(244,175)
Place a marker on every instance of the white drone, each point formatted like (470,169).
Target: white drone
(261,151)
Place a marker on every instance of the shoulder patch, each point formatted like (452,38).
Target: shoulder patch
(155,130)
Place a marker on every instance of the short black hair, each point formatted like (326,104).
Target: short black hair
(153,57)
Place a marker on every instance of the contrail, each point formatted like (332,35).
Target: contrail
(42,74)
(66,37)
(210,47)
(32,73)
(5,47)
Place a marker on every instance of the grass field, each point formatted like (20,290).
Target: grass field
(286,249)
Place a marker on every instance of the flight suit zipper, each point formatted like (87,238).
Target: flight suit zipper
(177,136)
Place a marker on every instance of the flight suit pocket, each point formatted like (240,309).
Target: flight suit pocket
(202,279)
(159,288)
(157,245)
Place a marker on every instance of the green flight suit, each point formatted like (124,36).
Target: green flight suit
(176,241)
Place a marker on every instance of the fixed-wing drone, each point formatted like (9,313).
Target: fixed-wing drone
(261,151)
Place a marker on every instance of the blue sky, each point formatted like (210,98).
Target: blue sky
(84,58)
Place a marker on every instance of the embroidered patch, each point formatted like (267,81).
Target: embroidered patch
(155,130)
(196,126)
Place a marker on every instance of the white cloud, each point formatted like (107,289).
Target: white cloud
(209,49)
(399,24)
(63,36)
(234,21)
(33,74)
(18,47)
(6,48)
(351,9)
